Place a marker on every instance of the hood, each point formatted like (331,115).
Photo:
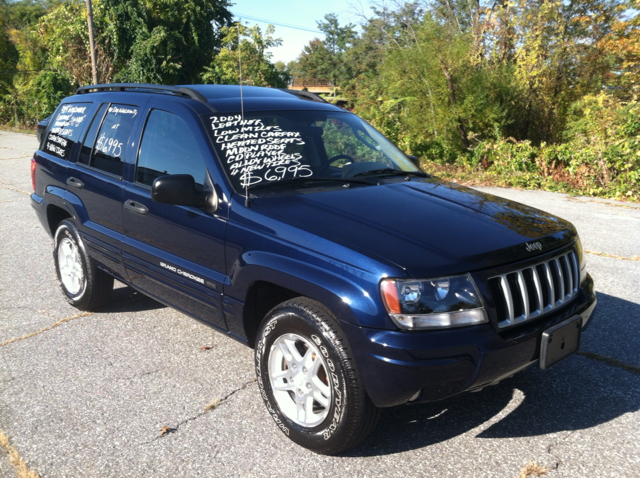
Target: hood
(426,227)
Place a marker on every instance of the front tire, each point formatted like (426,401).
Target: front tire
(84,285)
(308,378)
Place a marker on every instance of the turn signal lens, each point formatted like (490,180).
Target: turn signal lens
(390,296)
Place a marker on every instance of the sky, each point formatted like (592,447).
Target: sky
(301,14)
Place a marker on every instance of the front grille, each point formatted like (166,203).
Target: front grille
(528,293)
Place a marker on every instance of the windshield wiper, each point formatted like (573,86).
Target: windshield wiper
(310,179)
(392,172)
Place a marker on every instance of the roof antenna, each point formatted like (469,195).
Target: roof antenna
(246,179)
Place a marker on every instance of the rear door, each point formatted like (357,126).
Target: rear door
(94,182)
(175,253)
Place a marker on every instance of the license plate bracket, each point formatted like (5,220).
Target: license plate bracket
(560,341)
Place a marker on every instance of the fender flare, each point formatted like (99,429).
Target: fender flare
(76,208)
(350,300)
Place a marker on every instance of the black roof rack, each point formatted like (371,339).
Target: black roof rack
(305,95)
(177,91)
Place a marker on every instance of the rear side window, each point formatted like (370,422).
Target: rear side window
(168,147)
(107,138)
(66,128)
(90,139)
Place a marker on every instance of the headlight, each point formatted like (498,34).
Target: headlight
(433,303)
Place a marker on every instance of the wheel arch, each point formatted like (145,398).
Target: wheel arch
(61,205)
(55,215)
(262,296)
(264,284)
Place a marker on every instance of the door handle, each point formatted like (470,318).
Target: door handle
(75,182)
(136,207)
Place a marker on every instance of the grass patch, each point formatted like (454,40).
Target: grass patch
(531,470)
(604,254)
(20,466)
(212,405)
(19,129)
(52,326)
(16,190)
(470,175)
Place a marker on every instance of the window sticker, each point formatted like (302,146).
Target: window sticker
(112,138)
(257,153)
(66,129)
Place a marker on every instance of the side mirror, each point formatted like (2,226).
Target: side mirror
(178,189)
(415,160)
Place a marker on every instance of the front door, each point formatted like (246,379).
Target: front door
(175,253)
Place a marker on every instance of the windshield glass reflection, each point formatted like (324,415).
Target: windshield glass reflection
(283,146)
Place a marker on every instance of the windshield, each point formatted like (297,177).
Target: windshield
(278,146)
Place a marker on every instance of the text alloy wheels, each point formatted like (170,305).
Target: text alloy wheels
(299,377)
(70,266)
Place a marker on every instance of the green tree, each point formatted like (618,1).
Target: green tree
(285,72)
(8,53)
(328,59)
(172,40)
(429,91)
(293,67)
(337,39)
(15,18)
(152,41)
(449,73)
(315,60)
(160,41)
(622,43)
(558,59)
(253,58)
(65,42)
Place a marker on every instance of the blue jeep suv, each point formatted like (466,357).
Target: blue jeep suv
(296,228)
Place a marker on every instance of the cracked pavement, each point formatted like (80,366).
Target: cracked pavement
(89,397)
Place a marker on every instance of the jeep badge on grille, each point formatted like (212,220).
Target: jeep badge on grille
(534,246)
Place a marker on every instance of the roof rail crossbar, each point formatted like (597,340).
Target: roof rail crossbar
(305,95)
(182,91)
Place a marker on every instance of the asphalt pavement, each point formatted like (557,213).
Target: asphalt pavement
(89,395)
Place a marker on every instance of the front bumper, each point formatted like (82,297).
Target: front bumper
(423,366)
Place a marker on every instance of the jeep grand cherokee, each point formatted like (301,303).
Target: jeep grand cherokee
(296,228)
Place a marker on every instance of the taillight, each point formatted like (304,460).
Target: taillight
(33,173)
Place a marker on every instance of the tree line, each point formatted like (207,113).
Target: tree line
(542,93)
(538,93)
(44,47)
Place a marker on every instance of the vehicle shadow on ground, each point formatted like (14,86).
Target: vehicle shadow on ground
(575,394)
(127,299)
(615,330)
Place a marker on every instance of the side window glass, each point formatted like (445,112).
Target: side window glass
(66,129)
(168,147)
(112,138)
(90,138)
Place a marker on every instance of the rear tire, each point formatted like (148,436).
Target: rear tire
(308,378)
(84,285)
